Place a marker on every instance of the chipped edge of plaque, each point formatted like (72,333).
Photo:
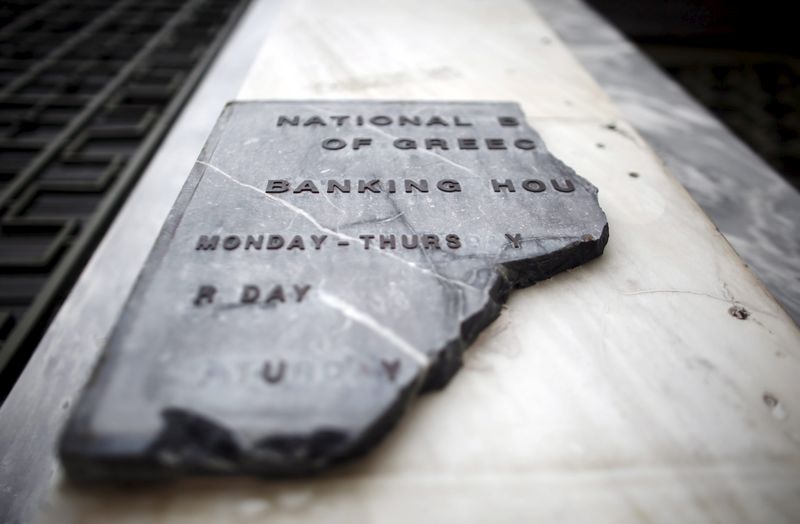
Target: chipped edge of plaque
(148,465)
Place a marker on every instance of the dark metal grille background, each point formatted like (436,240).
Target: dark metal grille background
(87,90)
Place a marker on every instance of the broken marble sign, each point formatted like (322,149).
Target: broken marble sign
(324,264)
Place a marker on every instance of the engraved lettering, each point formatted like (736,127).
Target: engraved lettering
(436,121)
(533,185)
(508,121)
(380,120)
(275,242)
(333,144)
(515,239)
(277,186)
(301,291)
(431,143)
(467,143)
(254,242)
(495,143)
(410,186)
(314,121)
(295,120)
(406,241)
(231,242)
(430,242)
(524,143)
(306,185)
(358,143)
(405,143)
(568,187)
(205,242)
(318,240)
(276,295)
(453,241)
(391,368)
(276,376)
(507,185)
(448,185)
(366,239)
(296,243)
(373,186)
(413,121)
(250,294)
(333,186)
(387,241)
(205,294)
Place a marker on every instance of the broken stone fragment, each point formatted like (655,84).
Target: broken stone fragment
(324,264)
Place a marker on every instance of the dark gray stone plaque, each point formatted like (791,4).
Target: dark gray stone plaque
(324,263)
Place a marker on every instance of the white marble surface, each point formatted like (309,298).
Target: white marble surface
(756,209)
(622,391)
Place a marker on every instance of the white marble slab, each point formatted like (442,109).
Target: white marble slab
(445,50)
(756,209)
(622,391)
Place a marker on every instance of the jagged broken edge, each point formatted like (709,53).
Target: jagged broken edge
(221,453)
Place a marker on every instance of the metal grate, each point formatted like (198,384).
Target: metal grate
(87,90)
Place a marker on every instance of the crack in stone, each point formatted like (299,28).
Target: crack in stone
(305,214)
(358,316)
(413,230)
(327,198)
(383,220)
(389,219)
(727,300)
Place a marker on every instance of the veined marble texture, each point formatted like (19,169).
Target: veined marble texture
(753,207)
